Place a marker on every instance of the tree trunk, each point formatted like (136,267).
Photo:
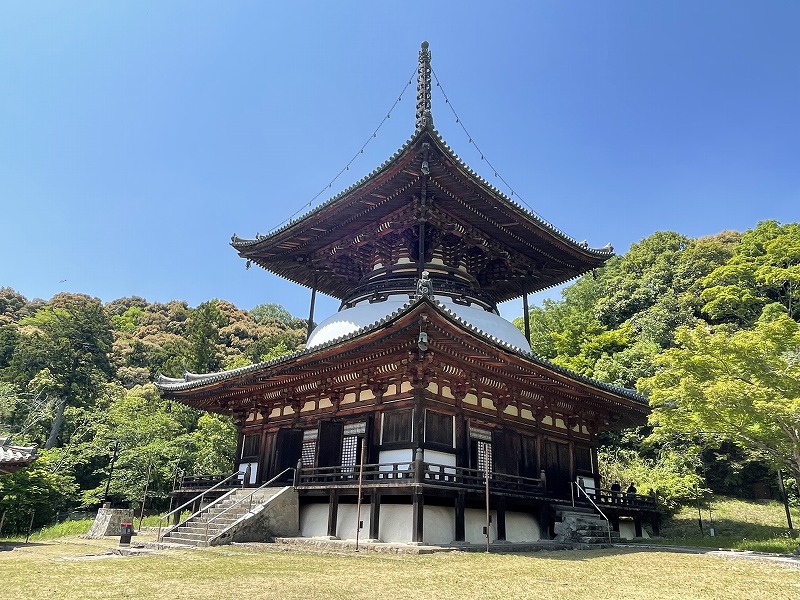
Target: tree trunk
(55,429)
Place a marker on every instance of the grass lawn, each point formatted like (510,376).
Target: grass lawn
(73,568)
(739,524)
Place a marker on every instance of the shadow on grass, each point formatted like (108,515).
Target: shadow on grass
(579,555)
(13,545)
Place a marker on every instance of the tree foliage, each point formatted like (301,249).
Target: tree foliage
(737,385)
(63,351)
(672,475)
(39,492)
(76,375)
(642,319)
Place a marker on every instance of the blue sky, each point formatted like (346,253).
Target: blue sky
(137,137)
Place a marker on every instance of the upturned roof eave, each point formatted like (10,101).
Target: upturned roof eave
(195,382)
(296,225)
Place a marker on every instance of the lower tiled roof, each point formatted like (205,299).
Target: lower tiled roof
(15,457)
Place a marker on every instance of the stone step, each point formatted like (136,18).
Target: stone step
(212,531)
(574,510)
(600,539)
(229,518)
(188,535)
(185,538)
(593,531)
(180,542)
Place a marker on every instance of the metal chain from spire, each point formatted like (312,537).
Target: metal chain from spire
(424,116)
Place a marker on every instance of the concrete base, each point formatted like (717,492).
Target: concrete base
(107,522)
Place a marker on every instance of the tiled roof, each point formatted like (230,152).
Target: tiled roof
(191,381)
(15,457)
(238,242)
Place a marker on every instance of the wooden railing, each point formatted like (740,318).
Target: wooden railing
(389,474)
(622,499)
(203,482)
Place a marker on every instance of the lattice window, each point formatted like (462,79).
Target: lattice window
(484,455)
(309,450)
(350,447)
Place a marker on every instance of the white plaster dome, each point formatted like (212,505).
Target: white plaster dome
(352,319)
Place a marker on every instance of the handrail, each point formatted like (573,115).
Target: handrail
(192,500)
(249,496)
(597,508)
(622,498)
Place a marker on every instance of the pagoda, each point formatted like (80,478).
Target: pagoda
(416,413)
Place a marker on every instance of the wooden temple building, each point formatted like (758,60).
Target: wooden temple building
(417,398)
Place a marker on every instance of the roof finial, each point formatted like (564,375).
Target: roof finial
(424,116)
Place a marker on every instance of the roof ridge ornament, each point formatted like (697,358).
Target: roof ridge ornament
(425,285)
(424,115)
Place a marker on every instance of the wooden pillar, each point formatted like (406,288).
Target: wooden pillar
(461,529)
(421,249)
(656,523)
(614,519)
(595,468)
(544,521)
(374,515)
(418,510)
(526,317)
(571,446)
(310,325)
(637,527)
(501,518)
(333,512)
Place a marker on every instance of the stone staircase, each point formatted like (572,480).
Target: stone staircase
(194,531)
(583,527)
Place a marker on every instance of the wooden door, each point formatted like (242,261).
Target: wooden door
(528,464)
(556,457)
(329,444)
(288,447)
(507,451)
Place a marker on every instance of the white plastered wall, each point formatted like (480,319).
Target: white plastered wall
(627,530)
(396,522)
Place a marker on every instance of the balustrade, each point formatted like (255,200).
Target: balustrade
(392,474)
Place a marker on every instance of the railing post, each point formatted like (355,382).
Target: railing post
(418,466)
(297,472)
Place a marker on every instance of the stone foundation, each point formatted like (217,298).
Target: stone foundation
(108,520)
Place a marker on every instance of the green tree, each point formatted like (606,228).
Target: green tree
(671,474)
(153,436)
(63,350)
(38,490)
(764,268)
(640,278)
(202,332)
(215,443)
(737,385)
